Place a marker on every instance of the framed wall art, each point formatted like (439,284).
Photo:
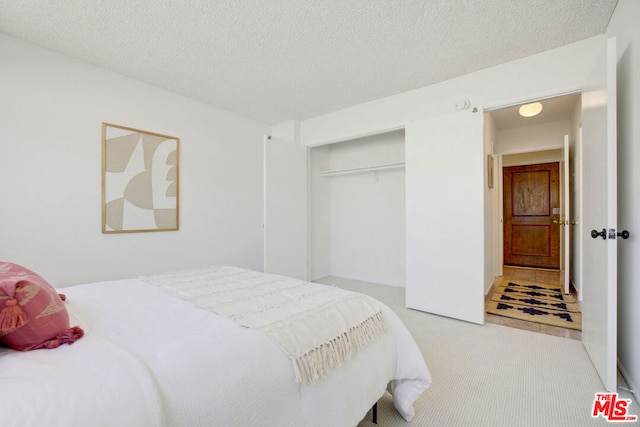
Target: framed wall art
(490,171)
(139,180)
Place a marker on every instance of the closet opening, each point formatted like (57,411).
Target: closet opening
(357,209)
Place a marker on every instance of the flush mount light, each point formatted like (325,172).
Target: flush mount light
(530,110)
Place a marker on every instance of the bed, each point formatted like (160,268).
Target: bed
(163,351)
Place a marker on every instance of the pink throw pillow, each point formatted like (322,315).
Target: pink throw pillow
(32,314)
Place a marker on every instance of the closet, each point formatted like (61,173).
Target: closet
(357,209)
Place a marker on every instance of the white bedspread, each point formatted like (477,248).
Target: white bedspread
(144,349)
(89,383)
(319,327)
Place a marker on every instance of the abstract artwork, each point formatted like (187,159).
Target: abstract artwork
(139,180)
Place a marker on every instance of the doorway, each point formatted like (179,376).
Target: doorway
(522,141)
(529,153)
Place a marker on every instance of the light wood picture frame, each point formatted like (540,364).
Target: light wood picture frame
(490,171)
(140,180)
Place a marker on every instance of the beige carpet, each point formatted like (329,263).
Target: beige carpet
(491,375)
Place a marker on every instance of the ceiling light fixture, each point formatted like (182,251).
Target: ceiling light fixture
(530,110)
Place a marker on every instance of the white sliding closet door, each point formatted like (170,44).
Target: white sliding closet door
(445,220)
(285,208)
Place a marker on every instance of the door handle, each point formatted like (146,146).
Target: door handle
(624,234)
(595,233)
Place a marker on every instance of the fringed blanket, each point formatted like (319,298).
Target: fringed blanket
(319,327)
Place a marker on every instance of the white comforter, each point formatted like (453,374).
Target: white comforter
(150,359)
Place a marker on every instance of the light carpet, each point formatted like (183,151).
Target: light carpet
(491,375)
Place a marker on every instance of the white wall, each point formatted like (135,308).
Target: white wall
(624,26)
(358,225)
(546,136)
(51,110)
(532,158)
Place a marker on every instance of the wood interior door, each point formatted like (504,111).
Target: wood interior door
(531,204)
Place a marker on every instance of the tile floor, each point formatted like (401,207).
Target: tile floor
(531,275)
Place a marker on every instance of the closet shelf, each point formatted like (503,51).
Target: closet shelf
(366,169)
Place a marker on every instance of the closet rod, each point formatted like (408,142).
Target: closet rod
(363,169)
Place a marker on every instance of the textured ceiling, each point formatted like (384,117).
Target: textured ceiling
(276,60)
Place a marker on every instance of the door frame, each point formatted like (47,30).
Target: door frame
(566,216)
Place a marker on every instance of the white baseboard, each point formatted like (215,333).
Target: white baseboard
(490,291)
(632,386)
(573,283)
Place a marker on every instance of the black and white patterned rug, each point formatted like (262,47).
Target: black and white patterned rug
(546,304)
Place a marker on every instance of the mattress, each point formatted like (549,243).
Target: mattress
(149,358)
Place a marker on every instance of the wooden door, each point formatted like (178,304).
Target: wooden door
(531,204)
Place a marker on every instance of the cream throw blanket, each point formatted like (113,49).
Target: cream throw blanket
(319,327)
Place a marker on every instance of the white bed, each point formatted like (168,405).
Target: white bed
(149,358)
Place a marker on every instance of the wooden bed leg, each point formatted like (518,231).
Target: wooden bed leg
(375,413)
